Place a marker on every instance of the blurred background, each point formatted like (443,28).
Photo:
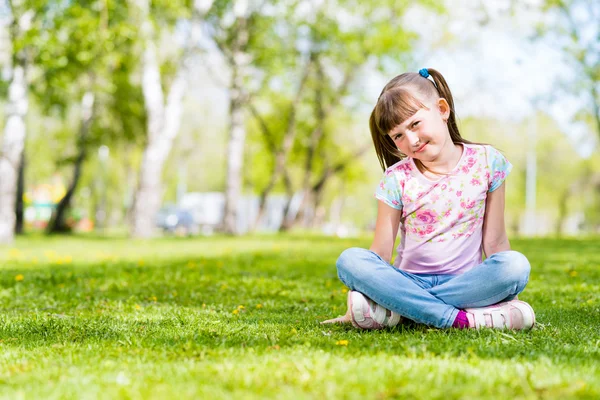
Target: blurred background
(197,117)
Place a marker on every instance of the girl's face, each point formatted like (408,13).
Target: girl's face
(424,135)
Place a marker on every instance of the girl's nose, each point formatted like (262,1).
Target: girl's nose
(413,138)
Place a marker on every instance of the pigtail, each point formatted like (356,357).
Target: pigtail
(444,91)
(385,149)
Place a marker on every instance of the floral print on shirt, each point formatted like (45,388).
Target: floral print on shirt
(451,207)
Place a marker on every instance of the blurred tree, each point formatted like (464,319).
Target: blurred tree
(84,53)
(163,119)
(574,26)
(335,41)
(234,26)
(23,28)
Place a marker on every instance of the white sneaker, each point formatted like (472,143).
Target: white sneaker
(514,314)
(367,314)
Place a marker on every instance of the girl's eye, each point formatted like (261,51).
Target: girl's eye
(415,123)
(398,136)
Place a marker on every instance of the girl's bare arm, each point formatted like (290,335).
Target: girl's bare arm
(386,229)
(494,230)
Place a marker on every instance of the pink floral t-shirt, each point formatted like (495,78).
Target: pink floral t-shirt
(441,223)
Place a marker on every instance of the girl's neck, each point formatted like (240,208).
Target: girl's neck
(446,160)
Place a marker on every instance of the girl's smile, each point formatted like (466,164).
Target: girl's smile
(422,148)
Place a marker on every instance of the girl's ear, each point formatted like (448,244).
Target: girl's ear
(444,108)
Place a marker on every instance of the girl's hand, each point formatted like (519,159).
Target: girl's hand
(344,319)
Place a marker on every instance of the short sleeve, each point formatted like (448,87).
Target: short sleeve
(499,168)
(389,190)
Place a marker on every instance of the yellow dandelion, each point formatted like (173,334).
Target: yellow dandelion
(259,306)
(50,254)
(203,305)
(68,259)
(240,307)
(573,273)
(154,299)
(19,278)
(140,263)
(138,307)
(344,290)
(14,253)
(236,311)
(342,343)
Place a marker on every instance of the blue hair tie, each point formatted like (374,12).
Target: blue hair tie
(424,73)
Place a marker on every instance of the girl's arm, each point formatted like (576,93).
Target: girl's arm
(494,231)
(386,229)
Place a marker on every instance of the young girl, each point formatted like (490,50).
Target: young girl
(446,195)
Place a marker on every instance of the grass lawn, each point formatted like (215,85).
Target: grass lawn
(238,318)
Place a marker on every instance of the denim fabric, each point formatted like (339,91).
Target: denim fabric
(433,299)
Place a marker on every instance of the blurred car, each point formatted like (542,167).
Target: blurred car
(177,221)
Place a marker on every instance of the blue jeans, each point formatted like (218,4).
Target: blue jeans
(433,299)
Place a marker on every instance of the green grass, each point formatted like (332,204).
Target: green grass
(238,318)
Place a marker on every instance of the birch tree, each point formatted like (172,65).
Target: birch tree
(163,118)
(242,30)
(13,139)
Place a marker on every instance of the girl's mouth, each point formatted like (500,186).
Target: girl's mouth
(420,149)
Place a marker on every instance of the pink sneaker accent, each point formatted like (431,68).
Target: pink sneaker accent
(367,314)
(461,321)
(514,314)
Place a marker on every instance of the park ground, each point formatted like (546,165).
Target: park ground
(95,317)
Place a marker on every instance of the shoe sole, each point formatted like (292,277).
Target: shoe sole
(350,305)
(527,321)
(356,299)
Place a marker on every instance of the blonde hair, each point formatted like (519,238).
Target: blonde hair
(397,103)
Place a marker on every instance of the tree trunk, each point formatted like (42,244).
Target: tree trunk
(288,220)
(163,123)
(58,223)
(562,211)
(235,160)
(596,107)
(315,139)
(11,151)
(20,206)
(237,129)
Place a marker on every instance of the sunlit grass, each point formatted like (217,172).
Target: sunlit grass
(238,318)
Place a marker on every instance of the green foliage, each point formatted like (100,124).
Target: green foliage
(337,39)
(168,12)
(124,319)
(574,30)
